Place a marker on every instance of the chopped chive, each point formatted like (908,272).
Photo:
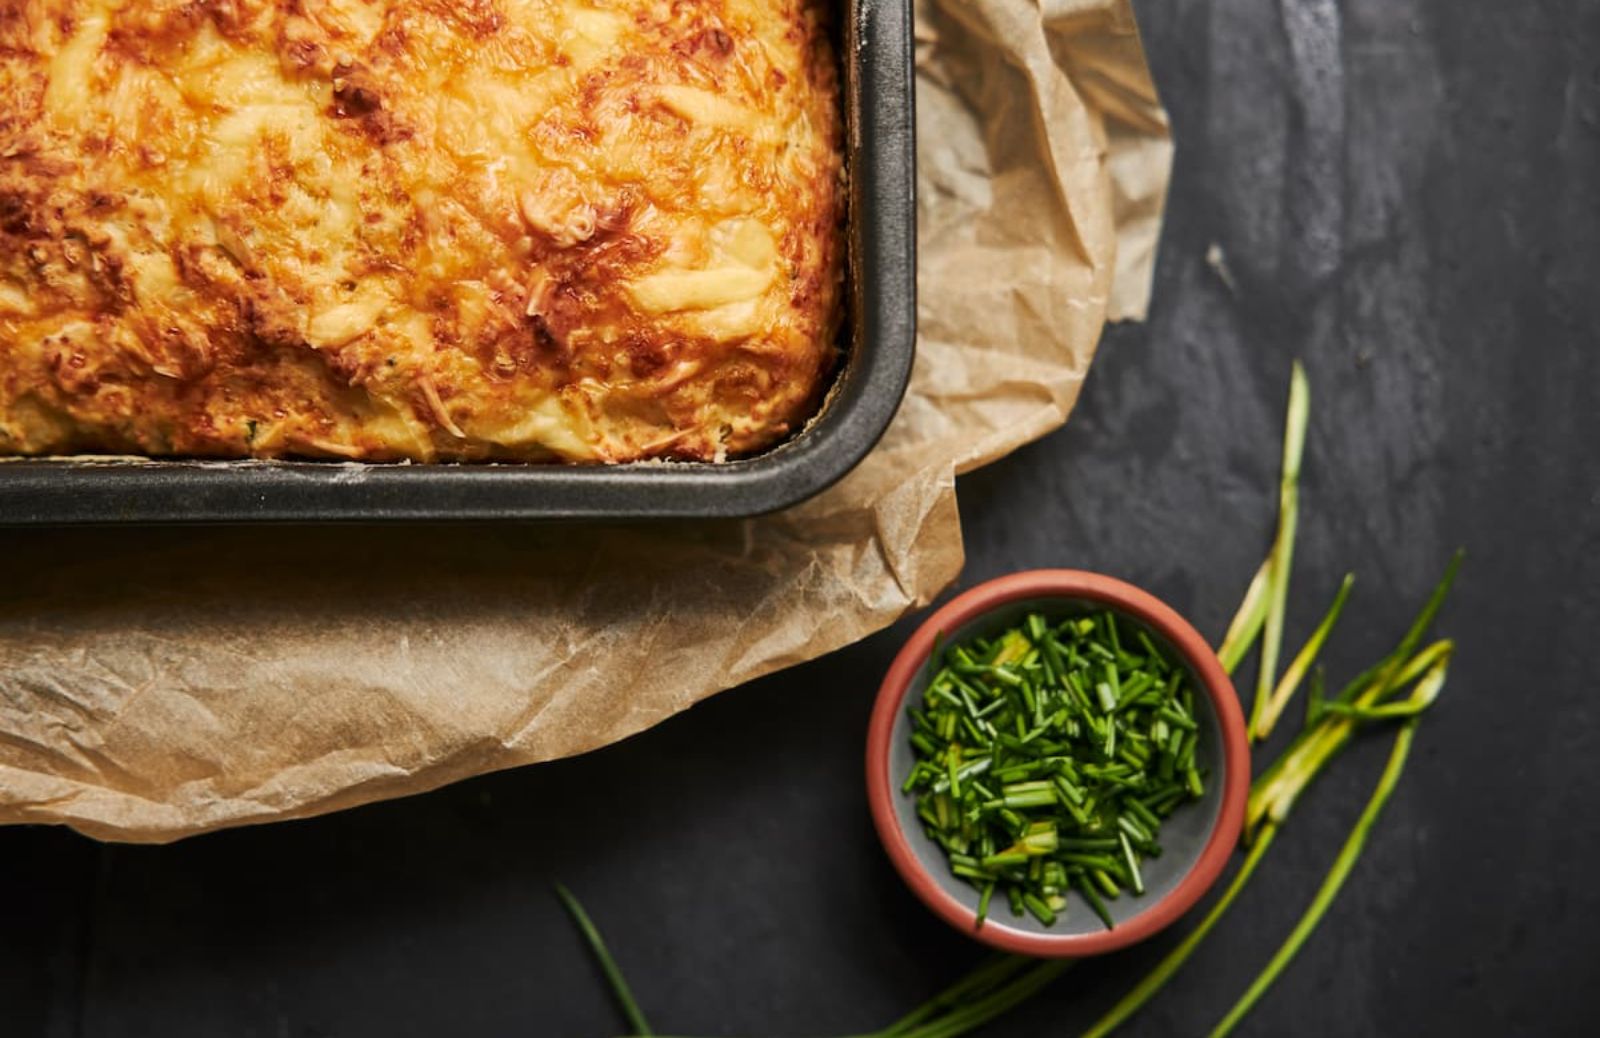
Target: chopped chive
(1173,715)
(1134,689)
(1186,752)
(1040,910)
(1069,792)
(1041,842)
(1004,676)
(983,903)
(1134,829)
(1087,843)
(1133,863)
(1086,888)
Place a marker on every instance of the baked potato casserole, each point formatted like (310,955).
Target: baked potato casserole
(574,230)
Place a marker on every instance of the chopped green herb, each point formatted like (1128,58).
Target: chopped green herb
(1085,734)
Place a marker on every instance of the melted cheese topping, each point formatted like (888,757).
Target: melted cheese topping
(593,230)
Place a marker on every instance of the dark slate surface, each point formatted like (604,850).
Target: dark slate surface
(1404,192)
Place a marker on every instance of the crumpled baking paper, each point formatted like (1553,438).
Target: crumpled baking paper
(160,683)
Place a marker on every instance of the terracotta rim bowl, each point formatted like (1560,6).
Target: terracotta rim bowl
(1193,856)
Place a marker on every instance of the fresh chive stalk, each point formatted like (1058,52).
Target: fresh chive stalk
(1246,624)
(1354,844)
(608,965)
(969,1015)
(1285,689)
(986,978)
(1366,689)
(1282,555)
(1279,789)
(1372,688)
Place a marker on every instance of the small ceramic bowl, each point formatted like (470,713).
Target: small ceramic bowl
(1196,840)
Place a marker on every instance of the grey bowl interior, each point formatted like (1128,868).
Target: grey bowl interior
(1183,836)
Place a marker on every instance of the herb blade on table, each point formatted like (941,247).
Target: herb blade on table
(1282,557)
(1246,624)
(608,965)
(980,981)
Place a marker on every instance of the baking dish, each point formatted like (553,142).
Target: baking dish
(879,344)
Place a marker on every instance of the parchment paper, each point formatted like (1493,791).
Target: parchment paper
(160,683)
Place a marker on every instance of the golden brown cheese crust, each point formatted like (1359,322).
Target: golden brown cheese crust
(593,230)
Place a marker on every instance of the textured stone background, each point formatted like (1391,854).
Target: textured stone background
(1406,193)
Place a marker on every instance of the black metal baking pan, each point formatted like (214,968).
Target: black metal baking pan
(876,51)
